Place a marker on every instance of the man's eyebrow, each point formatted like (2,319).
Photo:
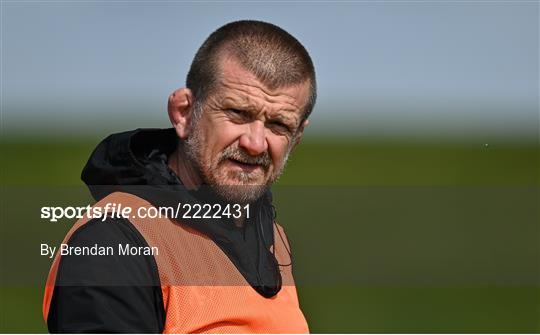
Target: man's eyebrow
(237,102)
(244,105)
(284,118)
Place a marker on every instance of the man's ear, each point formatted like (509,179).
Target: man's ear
(300,133)
(180,108)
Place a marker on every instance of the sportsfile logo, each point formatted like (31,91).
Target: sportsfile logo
(110,210)
(119,211)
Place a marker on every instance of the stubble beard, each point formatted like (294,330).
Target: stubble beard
(246,190)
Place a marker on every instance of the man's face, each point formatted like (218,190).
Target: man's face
(246,132)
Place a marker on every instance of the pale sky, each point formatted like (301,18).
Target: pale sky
(382,67)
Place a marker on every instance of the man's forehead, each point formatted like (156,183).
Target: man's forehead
(236,80)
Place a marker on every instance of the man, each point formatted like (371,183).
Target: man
(250,90)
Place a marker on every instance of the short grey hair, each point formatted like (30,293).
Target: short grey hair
(274,56)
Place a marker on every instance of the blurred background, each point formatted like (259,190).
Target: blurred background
(412,203)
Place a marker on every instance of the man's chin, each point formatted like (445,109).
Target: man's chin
(240,193)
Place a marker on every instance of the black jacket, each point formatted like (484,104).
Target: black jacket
(84,299)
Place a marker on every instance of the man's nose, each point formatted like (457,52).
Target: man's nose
(253,141)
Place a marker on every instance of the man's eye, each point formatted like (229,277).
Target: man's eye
(236,111)
(237,115)
(280,126)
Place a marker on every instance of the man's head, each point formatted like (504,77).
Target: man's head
(250,90)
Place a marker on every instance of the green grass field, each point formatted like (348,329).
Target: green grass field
(387,235)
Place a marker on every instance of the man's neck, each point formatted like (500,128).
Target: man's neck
(181,164)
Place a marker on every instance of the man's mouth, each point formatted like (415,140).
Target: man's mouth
(244,166)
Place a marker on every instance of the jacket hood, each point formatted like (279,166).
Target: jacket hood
(136,162)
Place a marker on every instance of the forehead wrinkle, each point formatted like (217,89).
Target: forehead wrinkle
(245,104)
(252,96)
(233,74)
(266,92)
